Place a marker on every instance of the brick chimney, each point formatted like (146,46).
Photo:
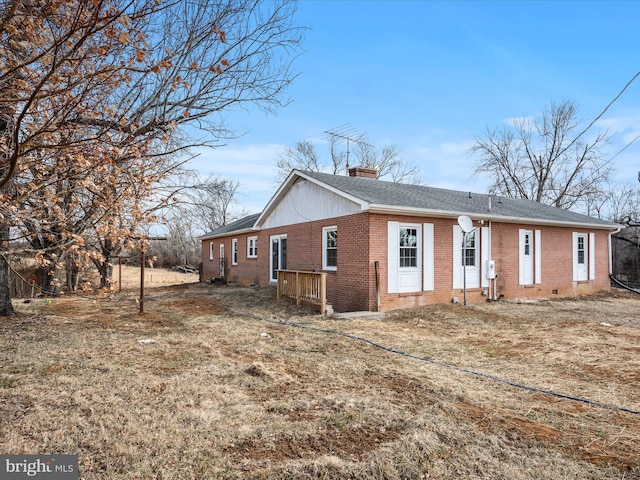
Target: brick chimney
(365,172)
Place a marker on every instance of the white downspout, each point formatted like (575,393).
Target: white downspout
(489,250)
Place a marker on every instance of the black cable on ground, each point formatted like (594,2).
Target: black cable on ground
(434,362)
(622,285)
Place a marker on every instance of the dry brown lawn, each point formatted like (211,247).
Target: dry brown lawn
(229,383)
(153,277)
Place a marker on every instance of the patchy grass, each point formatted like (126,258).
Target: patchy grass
(223,387)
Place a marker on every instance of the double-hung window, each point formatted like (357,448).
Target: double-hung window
(469,250)
(252,247)
(408,247)
(330,248)
(234,251)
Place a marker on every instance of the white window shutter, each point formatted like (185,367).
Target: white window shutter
(428,258)
(592,256)
(393,253)
(538,256)
(457,257)
(484,255)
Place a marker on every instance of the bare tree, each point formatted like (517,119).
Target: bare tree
(387,161)
(94,95)
(619,203)
(208,202)
(544,159)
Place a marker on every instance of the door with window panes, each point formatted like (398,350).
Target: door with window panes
(581,252)
(278,259)
(527,257)
(470,263)
(410,258)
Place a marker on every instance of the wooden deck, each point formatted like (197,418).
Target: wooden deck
(303,287)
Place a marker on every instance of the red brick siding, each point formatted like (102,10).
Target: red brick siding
(362,240)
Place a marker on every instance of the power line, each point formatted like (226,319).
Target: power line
(625,147)
(602,113)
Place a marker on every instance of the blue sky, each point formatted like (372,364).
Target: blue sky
(431,76)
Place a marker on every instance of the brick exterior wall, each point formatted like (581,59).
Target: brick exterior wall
(362,240)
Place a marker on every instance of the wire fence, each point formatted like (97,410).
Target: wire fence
(22,287)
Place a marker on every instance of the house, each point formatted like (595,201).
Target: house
(386,245)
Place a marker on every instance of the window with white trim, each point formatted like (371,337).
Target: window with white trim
(582,240)
(252,247)
(330,248)
(469,249)
(234,251)
(210,250)
(408,247)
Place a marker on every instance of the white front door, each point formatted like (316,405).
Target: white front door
(470,261)
(581,249)
(410,258)
(278,259)
(527,257)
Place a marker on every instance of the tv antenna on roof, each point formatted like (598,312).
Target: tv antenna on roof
(348,133)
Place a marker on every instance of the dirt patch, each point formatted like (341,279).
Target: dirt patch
(351,443)
(526,430)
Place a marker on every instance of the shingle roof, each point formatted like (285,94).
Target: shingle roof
(381,193)
(244,223)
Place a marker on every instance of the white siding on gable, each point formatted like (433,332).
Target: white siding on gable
(304,202)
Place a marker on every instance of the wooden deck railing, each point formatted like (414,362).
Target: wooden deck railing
(307,287)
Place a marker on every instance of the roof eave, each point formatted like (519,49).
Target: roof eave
(425,212)
(226,234)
